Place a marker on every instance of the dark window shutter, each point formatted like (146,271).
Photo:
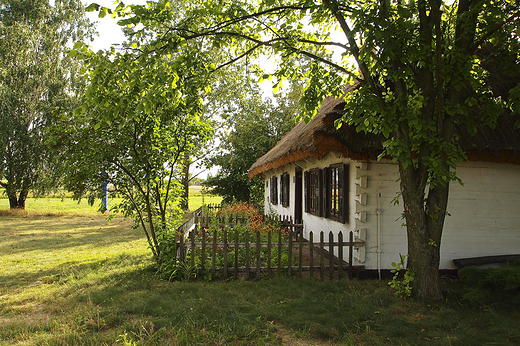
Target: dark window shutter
(306,184)
(345,183)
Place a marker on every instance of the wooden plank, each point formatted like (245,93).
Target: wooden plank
(331,255)
(475,261)
(279,251)
(350,254)
(322,259)
(214,253)
(225,249)
(300,255)
(182,257)
(340,255)
(289,264)
(192,250)
(311,253)
(247,254)
(203,259)
(236,255)
(258,255)
(269,269)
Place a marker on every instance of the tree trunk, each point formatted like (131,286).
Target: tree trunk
(22,197)
(13,201)
(16,201)
(424,224)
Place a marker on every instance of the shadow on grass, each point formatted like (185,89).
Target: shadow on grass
(51,233)
(346,312)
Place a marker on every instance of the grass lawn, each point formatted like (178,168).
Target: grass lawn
(71,278)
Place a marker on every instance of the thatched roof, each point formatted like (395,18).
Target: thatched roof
(319,137)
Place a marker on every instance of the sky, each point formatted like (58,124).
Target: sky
(109,31)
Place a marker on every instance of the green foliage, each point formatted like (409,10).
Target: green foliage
(252,126)
(423,71)
(139,117)
(38,81)
(240,220)
(402,279)
(488,286)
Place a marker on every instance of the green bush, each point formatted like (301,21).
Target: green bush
(488,286)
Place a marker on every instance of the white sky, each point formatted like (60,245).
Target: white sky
(109,31)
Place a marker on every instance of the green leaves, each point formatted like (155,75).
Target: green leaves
(92,7)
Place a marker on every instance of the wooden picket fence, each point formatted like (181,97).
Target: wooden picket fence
(313,257)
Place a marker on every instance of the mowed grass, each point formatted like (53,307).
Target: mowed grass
(55,204)
(72,278)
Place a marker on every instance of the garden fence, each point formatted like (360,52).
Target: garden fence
(282,252)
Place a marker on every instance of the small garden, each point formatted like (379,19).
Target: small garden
(236,236)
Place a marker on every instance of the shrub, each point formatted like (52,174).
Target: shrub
(487,286)
(241,220)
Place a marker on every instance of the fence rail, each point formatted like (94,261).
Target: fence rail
(281,252)
(302,255)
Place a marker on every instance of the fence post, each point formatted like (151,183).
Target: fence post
(300,255)
(214,253)
(331,255)
(340,255)
(247,255)
(182,254)
(350,254)
(269,269)
(236,254)
(289,265)
(311,254)
(258,255)
(225,254)
(279,251)
(203,259)
(322,256)
(192,251)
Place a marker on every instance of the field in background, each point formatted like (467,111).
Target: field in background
(56,204)
(69,277)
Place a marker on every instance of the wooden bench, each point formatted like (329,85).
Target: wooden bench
(477,261)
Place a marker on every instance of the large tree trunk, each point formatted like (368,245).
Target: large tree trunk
(424,224)
(17,202)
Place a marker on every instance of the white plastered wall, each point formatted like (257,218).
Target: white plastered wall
(484,213)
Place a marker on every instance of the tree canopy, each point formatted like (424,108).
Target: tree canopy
(424,67)
(251,126)
(38,80)
(139,117)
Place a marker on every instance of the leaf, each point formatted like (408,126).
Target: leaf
(103,12)
(92,7)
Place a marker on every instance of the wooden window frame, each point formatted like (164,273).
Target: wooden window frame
(274,190)
(337,186)
(314,192)
(285,189)
(325,197)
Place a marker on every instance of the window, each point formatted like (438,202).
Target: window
(313,191)
(336,198)
(326,192)
(274,190)
(284,189)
